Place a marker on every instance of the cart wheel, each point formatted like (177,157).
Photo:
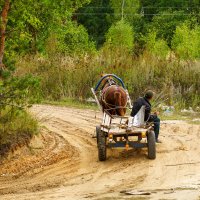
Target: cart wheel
(98,131)
(151,145)
(101,142)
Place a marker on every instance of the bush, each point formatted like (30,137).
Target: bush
(16,125)
(186,42)
(72,77)
(18,93)
(165,23)
(120,36)
(157,47)
(70,39)
(62,76)
(16,129)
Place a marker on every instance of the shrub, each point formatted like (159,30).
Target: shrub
(70,39)
(157,47)
(186,42)
(18,93)
(165,23)
(72,77)
(16,129)
(120,36)
(16,125)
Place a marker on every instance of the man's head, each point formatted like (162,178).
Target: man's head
(149,94)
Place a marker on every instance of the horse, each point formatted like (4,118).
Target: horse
(113,97)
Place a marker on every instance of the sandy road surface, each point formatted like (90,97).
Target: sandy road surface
(62,163)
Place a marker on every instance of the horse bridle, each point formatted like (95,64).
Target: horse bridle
(110,82)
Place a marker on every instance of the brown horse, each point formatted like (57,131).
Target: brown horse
(113,97)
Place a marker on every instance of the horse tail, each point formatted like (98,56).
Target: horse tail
(118,103)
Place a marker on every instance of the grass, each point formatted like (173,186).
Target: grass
(16,129)
(176,115)
(188,117)
(63,77)
(194,122)
(68,102)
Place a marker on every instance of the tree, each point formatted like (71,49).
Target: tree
(151,8)
(125,9)
(165,23)
(186,41)
(30,22)
(71,39)
(120,36)
(96,18)
(157,47)
(4,19)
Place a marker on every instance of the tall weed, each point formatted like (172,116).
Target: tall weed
(72,77)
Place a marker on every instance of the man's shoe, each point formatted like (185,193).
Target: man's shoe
(158,141)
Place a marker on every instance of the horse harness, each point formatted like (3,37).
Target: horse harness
(110,106)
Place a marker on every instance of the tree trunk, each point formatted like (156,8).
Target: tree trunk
(4,16)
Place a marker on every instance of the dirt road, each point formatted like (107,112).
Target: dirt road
(62,163)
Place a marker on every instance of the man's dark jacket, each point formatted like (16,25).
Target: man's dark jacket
(142,101)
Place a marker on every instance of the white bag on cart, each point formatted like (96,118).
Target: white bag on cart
(138,119)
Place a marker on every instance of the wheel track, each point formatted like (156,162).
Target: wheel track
(41,164)
(80,175)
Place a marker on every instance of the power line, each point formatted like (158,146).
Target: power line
(134,14)
(143,7)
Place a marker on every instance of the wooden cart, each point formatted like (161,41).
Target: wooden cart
(124,132)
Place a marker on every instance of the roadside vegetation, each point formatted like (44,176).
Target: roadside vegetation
(17,126)
(56,51)
(16,130)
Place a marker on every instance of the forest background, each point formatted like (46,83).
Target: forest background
(57,50)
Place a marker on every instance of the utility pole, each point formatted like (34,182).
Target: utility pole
(123,1)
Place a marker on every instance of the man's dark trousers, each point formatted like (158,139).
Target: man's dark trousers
(156,122)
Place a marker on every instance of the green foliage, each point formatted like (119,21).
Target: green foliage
(157,47)
(186,42)
(62,77)
(127,9)
(16,125)
(31,22)
(121,36)
(18,93)
(73,39)
(67,77)
(16,129)
(52,40)
(152,8)
(96,17)
(24,24)
(166,22)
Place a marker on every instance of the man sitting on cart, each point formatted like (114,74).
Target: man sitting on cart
(148,117)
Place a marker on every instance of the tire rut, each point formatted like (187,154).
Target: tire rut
(67,166)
